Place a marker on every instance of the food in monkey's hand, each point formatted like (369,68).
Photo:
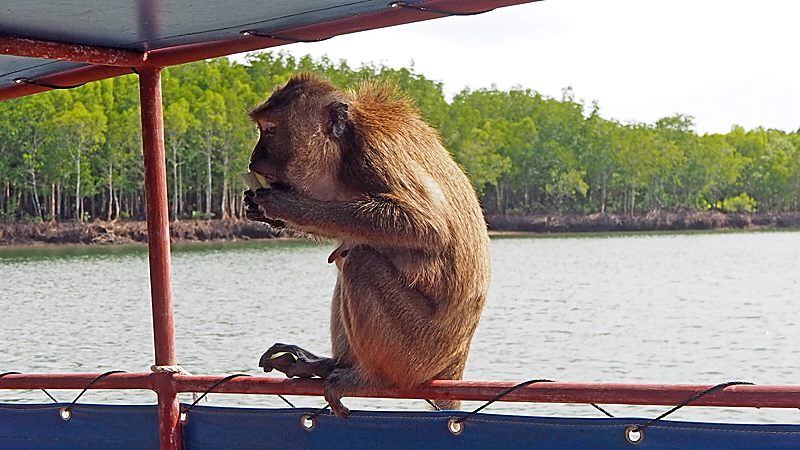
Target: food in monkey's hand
(255,181)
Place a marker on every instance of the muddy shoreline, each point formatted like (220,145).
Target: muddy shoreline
(654,221)
(128,232)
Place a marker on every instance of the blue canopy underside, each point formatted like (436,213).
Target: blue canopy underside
(33,427)
(143,25)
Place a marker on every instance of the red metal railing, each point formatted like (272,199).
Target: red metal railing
(155,180)
(740,396)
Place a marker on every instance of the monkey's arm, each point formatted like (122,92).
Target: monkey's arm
(380,219)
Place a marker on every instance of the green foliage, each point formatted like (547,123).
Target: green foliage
(76,155)
(741,203)
(200,215)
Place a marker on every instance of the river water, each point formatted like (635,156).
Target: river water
(700,308)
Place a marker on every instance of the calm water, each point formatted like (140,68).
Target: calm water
(684,308)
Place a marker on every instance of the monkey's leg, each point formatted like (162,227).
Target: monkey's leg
(391,328)
(295,362)
(342,381)
(453,372)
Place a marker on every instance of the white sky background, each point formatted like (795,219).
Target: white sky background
(723,62)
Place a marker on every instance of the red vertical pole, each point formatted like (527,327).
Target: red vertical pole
(155,180)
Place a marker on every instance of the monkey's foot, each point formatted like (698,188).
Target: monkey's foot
(337,407)
(340,382)
(295,362)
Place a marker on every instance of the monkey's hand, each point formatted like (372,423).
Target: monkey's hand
(275,200)
(295,362)
(256,214)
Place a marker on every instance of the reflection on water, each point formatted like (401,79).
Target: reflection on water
(682,308)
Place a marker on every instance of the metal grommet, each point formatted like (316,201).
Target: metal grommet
(394,5)
(634,434)
(455,426)
(65,413)
(308,422)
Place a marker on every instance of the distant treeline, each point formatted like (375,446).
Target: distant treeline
(76,154)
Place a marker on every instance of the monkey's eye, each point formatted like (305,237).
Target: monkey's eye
(267,127)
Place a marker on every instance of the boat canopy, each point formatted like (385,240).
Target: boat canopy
(65,43)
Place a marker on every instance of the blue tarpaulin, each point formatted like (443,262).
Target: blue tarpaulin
(90,427)
(136,427)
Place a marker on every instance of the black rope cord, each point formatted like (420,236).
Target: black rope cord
(690,400)
(395,5)
(211,388)
(279,38)
(225,380)
(499,396)
(103,375)
(319,411)
(599,408)
(49,86)
(433,405)
(20,373)
(285,400)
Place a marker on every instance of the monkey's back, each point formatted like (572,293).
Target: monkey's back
(448,261)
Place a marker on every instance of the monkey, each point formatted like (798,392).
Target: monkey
(364,169)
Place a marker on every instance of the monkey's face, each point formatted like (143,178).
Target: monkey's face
(298,145)
(271,154)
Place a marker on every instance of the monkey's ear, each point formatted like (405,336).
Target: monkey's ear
(338,118)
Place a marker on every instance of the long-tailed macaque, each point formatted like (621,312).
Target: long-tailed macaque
(365,170)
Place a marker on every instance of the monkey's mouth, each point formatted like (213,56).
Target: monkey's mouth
(262,176)
(275,183)
(281,186)
(256,181)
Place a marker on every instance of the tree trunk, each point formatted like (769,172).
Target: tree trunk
(603,187)
(180,190)
(633,199)
(499,197)
(175,185)
(233,205)
(53,203)
(224,200)
(37,208)
(59,201)
(110,191)
(78,202)
(208,173)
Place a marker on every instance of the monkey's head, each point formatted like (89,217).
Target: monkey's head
(303,126)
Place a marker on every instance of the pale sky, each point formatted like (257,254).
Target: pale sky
(723,62)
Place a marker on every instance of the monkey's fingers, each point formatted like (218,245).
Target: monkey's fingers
(260,217)
(256,214)
(295,362)
(336,405)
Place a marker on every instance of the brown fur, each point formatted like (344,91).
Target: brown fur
(365,170)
